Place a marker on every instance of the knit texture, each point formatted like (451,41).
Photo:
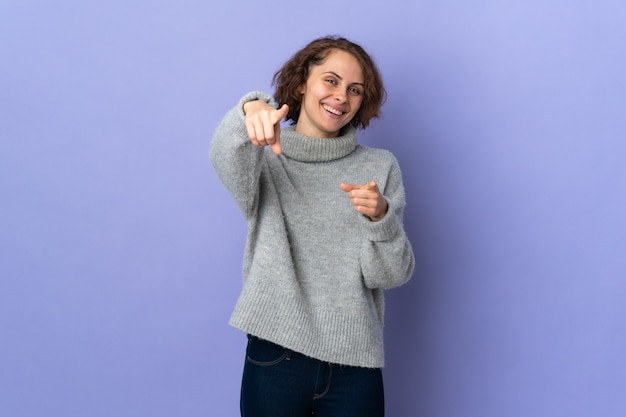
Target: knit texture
(314,269)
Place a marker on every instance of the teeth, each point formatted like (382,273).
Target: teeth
(333,111)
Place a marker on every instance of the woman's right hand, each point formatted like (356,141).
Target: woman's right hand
(263,123)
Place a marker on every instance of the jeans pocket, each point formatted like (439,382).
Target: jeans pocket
(264,353)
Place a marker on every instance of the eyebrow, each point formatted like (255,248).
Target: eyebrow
(341,78)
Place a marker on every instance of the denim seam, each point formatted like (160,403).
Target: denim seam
(330,377)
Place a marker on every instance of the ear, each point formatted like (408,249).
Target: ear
(302,89)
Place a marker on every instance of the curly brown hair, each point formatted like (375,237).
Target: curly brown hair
(295,72)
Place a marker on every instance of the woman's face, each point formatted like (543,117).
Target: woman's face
(331,96)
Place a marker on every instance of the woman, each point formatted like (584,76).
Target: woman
(325,235)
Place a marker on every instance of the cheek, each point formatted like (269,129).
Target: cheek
(356,104)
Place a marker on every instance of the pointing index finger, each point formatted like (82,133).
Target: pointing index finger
(347,187)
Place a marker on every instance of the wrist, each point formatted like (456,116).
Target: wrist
(381,215)
(256,96)
(246,106)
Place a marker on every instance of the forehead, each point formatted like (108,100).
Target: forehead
(343,64)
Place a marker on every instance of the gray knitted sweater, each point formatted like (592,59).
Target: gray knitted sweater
(314,269)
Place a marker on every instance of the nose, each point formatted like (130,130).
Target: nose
(340,97)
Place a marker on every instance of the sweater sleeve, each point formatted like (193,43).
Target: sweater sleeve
(235,159)
(387,258)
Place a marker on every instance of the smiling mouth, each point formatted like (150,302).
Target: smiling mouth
(332,110)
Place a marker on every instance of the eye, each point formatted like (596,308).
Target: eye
(355,91)
(331,81)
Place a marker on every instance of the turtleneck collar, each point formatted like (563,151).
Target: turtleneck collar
(311,149)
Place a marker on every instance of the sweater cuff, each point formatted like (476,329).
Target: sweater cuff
(382,230)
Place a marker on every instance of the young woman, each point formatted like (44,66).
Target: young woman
(325,235)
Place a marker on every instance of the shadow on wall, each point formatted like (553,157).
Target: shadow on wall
(410,308)
(411,353)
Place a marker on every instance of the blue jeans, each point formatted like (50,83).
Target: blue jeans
(278,382)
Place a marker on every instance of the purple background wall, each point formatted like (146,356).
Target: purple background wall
(120,250)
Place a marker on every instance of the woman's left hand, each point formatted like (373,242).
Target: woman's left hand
(367,199)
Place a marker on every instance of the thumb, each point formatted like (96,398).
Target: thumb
(371,186)
(281,113)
